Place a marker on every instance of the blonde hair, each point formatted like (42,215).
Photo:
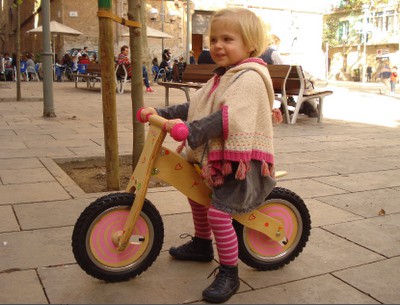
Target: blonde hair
(252,29)
(274,40)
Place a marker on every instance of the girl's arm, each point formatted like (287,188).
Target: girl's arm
(200,131)
(207,128)
(169,113)
(174,112)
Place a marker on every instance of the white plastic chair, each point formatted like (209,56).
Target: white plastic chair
(31,71)
(121,78)
(161,75)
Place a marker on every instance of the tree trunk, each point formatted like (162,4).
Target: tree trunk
(18,47)
(108,89)
(138,42)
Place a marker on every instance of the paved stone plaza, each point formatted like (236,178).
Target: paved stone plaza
(346,169)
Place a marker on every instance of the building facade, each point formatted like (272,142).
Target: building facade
(299,26)
(365,37)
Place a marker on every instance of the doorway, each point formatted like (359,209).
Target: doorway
(197,44)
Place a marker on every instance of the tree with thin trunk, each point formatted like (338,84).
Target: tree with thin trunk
(138,44)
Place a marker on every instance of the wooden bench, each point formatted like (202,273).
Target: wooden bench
(290,81)
(194,76)
(295,86)
(91,75)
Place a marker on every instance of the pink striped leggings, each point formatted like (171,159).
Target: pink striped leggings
(209,219)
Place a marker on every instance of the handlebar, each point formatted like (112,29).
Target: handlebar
(179,132)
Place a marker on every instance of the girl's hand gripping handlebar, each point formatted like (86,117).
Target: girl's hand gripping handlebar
(178,130)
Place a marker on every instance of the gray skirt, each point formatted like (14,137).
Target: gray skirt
(242,196)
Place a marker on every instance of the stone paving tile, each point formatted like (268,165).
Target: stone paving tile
(79,136)
(172,231)
(36,152)
(364,181)
(356,165)
(368,280)
(70,284)
(324,289)
(394,160)
(22,138)
(324,214)
(8,221)
(27,129)
(12,145)
(301,171)
(306,157)
(366,152)
(309,188)
(63,213)
(95,150)
(380,142)
(30,290)
(332,137)
(60,143)
(33,249)
(366,203)
(387,133)
(380,234)
(20,163)
(169,201)
(31,192)
(27,175)
(295,147)
(324,253)
(7,132)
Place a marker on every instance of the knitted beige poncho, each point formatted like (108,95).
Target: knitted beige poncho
(245,95)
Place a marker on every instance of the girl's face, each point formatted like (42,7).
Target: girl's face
(227,46)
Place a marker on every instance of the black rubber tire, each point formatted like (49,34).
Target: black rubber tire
(293,202)
(83,230)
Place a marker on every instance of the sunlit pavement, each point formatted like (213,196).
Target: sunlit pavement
(362,103)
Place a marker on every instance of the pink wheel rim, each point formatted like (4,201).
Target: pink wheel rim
(102,247)
(261,244)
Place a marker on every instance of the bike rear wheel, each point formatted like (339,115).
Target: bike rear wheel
(92,243)
(262,253)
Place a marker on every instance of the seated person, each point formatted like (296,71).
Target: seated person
(123,59)
(181,67)
(155,68)
(8,67)
(205,57)
(175,71)
(84,59)
(30,66)
(165,64)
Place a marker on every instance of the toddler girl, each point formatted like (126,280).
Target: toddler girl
(230,137)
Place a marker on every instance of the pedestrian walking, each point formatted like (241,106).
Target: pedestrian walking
(393,80)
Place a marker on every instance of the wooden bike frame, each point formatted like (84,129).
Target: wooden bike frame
(172,168)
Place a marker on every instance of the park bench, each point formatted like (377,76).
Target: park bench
(290,81)
(287,80)
(91,73)
(194,76)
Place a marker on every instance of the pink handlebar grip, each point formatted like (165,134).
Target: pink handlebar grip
(179,132)
(139,117)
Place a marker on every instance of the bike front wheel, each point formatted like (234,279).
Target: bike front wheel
(92,238)
(262,253)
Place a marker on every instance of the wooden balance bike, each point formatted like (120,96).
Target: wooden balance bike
(120,235)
